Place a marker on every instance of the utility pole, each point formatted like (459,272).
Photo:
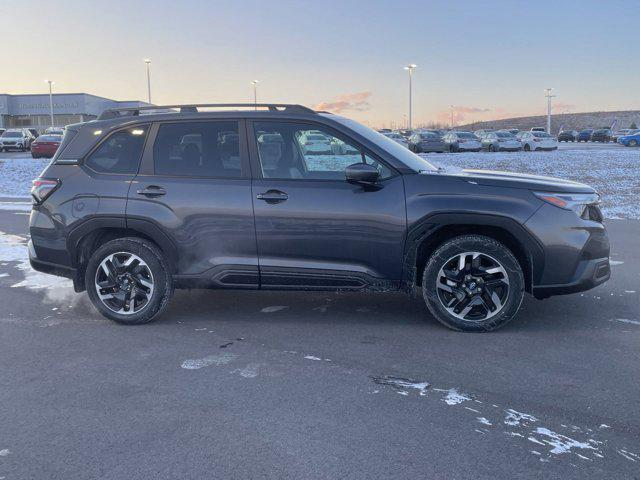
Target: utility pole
(255,93)
(50,82)
(410,68)
(147,62)
(549,97)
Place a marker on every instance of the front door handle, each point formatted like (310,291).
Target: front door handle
(152,191)
(272,196)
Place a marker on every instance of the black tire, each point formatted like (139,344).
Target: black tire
(161,279)
(492,148)
(526,147)
(486,246)
(633,143)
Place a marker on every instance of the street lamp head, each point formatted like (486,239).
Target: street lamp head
(50,82)
(255,82)
(411,66)
(147,61)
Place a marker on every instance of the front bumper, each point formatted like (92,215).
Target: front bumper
(590,273)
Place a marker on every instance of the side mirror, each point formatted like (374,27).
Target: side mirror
(362,174)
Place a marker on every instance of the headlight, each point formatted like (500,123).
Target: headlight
(585,205)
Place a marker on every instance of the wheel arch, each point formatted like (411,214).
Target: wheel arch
(85,239)
(433,231)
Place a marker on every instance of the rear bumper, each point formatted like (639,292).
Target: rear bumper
(51,268)
(590,273)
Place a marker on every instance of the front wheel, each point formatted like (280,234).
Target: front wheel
(128,281)
(473,283)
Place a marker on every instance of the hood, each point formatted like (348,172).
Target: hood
(522,180)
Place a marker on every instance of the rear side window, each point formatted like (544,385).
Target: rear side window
(120,153)
(198,149)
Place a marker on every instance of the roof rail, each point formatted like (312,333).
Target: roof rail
(193,108)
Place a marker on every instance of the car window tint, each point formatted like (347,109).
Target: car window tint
(198,149)
(120,152)
(302,151)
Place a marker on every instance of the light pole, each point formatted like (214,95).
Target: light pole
(147,62)
(410,68)
(50,82)
(549,97)
(255,93)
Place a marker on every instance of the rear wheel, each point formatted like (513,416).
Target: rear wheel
(473,283)
(128,281)
(633,143)
(526,147)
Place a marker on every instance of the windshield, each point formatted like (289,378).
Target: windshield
(466,135)
(407,157)
(505,135)
(427,135)
(12,134)
(541,134)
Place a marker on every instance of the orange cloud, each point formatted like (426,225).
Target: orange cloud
(345,102)
(460,112)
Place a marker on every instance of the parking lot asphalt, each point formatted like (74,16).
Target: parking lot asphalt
(318,385)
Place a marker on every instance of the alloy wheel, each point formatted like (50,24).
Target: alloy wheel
(124,283)
(472,286)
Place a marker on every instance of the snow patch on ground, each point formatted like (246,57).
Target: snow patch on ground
(454,397)
(274,308)
(13,248)
(211,360)
(16,175)
(560,443)
(311,357)
(250,371)
(513,418)
(402,384)
(626,320)
(484,421)
(614,173)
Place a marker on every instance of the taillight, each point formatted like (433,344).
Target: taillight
(41,188)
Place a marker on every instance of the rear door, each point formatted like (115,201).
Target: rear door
(314,229)
(194,188)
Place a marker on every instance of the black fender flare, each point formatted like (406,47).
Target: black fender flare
(430,225)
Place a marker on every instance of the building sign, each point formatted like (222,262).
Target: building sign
(27,106)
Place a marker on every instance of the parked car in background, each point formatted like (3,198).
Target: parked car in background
(630,140)
(33,132)
(54,130)
(567,136)
(16,139)
(538,129)
(500,142)
(459,141)
(45,146)
(385,130)
(602,135)
(620,133)
(405,133)
(423,142)
(585,135)
(396,137)
(481,133)
(513,131)
(532,141)
(315,143)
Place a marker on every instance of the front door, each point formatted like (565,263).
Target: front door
(313,228)
(194,185)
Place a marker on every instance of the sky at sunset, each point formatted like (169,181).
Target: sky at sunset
(489,59)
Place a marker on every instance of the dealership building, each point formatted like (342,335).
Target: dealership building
(33,111)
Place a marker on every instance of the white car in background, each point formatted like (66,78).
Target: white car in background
(462,142)
(532,141)
(396,137)
(315,144)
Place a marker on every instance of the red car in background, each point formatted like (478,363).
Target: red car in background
(45,146)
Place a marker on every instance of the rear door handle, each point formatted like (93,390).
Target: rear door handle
(273,196)
(152,191)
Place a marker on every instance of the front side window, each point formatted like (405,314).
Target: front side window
(303,151)
(198,149)
(120,153)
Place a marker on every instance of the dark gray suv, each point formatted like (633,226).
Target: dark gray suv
(144,200)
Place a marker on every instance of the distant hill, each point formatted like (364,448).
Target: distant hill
(568,121)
